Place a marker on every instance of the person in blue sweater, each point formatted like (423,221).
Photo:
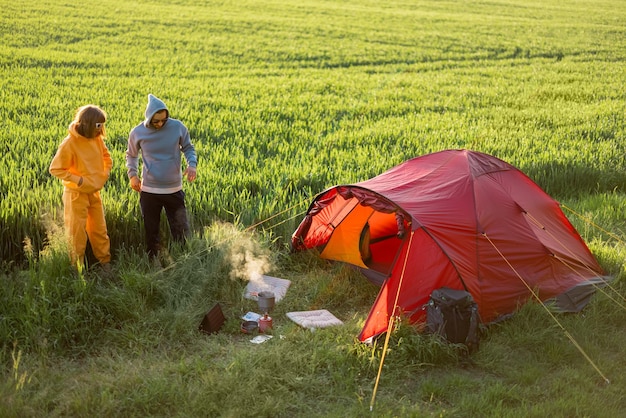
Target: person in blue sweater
(161,141)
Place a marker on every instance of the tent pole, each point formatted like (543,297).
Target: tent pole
(390,323)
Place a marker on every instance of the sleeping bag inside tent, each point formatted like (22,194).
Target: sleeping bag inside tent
(459,219)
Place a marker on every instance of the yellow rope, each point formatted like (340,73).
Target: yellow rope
(390,323)
(566,248)
(275,215)
(598,288)
(567,334)
(249,228)
(592,223)
(589,269)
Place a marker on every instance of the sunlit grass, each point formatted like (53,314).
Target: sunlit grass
(284,99)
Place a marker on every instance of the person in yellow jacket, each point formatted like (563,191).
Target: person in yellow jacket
(83,163)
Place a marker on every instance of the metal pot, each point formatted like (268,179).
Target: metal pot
(266,301)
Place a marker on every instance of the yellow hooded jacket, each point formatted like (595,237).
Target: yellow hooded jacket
(78,157)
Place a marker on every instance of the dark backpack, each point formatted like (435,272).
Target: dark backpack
(453,315)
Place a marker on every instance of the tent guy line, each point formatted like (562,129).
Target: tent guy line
(600,288)
(571,267)
(554,237)
(389,329)
(392,319)
(554,318)
(247,229)
(590,222)
(564,262)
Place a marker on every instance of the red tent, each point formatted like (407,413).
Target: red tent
(457,218)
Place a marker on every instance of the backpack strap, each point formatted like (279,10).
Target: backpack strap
(473,332)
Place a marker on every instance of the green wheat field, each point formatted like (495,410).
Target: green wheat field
(284,99)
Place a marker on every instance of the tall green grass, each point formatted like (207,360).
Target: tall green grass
(284,99)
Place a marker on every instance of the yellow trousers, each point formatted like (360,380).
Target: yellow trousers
(83,215)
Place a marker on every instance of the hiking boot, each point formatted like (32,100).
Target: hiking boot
(105,271)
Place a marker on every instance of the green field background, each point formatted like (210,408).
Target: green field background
(286,98)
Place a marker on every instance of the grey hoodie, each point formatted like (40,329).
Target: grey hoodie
(160,151)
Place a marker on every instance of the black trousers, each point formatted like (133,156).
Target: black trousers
(151,207)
